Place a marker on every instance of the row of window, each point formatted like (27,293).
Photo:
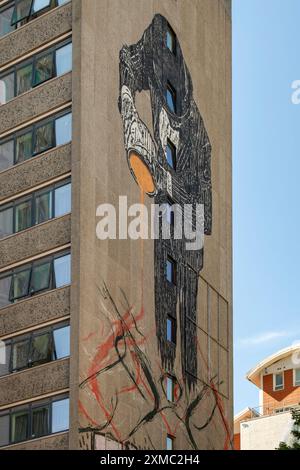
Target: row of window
(39,137)
(35,348)
(35,208)
(34,420)
(30,279)
(15,14)
(52,62)
(278,380)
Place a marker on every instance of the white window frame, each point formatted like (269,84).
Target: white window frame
(294,374)
(275,387)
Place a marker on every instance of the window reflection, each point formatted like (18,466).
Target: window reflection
(64,59)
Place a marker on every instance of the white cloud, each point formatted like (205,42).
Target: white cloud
(264,338)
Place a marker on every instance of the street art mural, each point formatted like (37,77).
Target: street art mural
(172,166)
(178,127)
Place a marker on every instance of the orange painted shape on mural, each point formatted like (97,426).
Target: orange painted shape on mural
(142,173)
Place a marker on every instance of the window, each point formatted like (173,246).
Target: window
(171,271)
(170,388)
(171,40)
(21,11)
(37,347)
(62,271)
(297,377)
(36,70)
(62,200)
(278,381)
(63,129)
(23,215)
(6,221)
(43,68)
(25,10)
(33,278)
(23,147)
(6,155)
(60,415)
(36,419)
(171,154)
(44,138)
(24,78)
(39,5)
(40,206)
(5,20)
(171,98)
(63,59)
(38,138)
(170,442)
(7,87)
(171,330)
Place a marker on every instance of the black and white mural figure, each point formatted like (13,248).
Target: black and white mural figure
(156,64)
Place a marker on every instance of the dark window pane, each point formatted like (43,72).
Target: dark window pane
(44,138)
(6,155)
(44,69)
(41,349)
(43,207)
(23,216)
(63,129)
(171,330)
(63,200)
(170,271)
(171,99)
(60,416)
(62,269)
(7,88)
(24,147)
(5,286)
(21,11)
(171,154)
(5,21)
(19,426)
(20,354)
(4,430)
(64,59)
(6,222)
(61,342)
(40,277)
(40,422)
(39,5)
(20,284)
(24,79)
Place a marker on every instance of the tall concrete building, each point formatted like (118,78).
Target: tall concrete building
(112,338)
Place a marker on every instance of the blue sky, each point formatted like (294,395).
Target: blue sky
(266,184)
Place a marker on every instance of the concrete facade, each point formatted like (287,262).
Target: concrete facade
(117,403)
(266,432)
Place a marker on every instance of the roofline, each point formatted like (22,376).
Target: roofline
(253,374)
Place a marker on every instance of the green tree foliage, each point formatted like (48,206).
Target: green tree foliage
(295,433)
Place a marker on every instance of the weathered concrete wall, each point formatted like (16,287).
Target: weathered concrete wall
(55,442)
(100,174)
(38,170)
(32,383)
(35,240)
(39,100)
(35,311)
